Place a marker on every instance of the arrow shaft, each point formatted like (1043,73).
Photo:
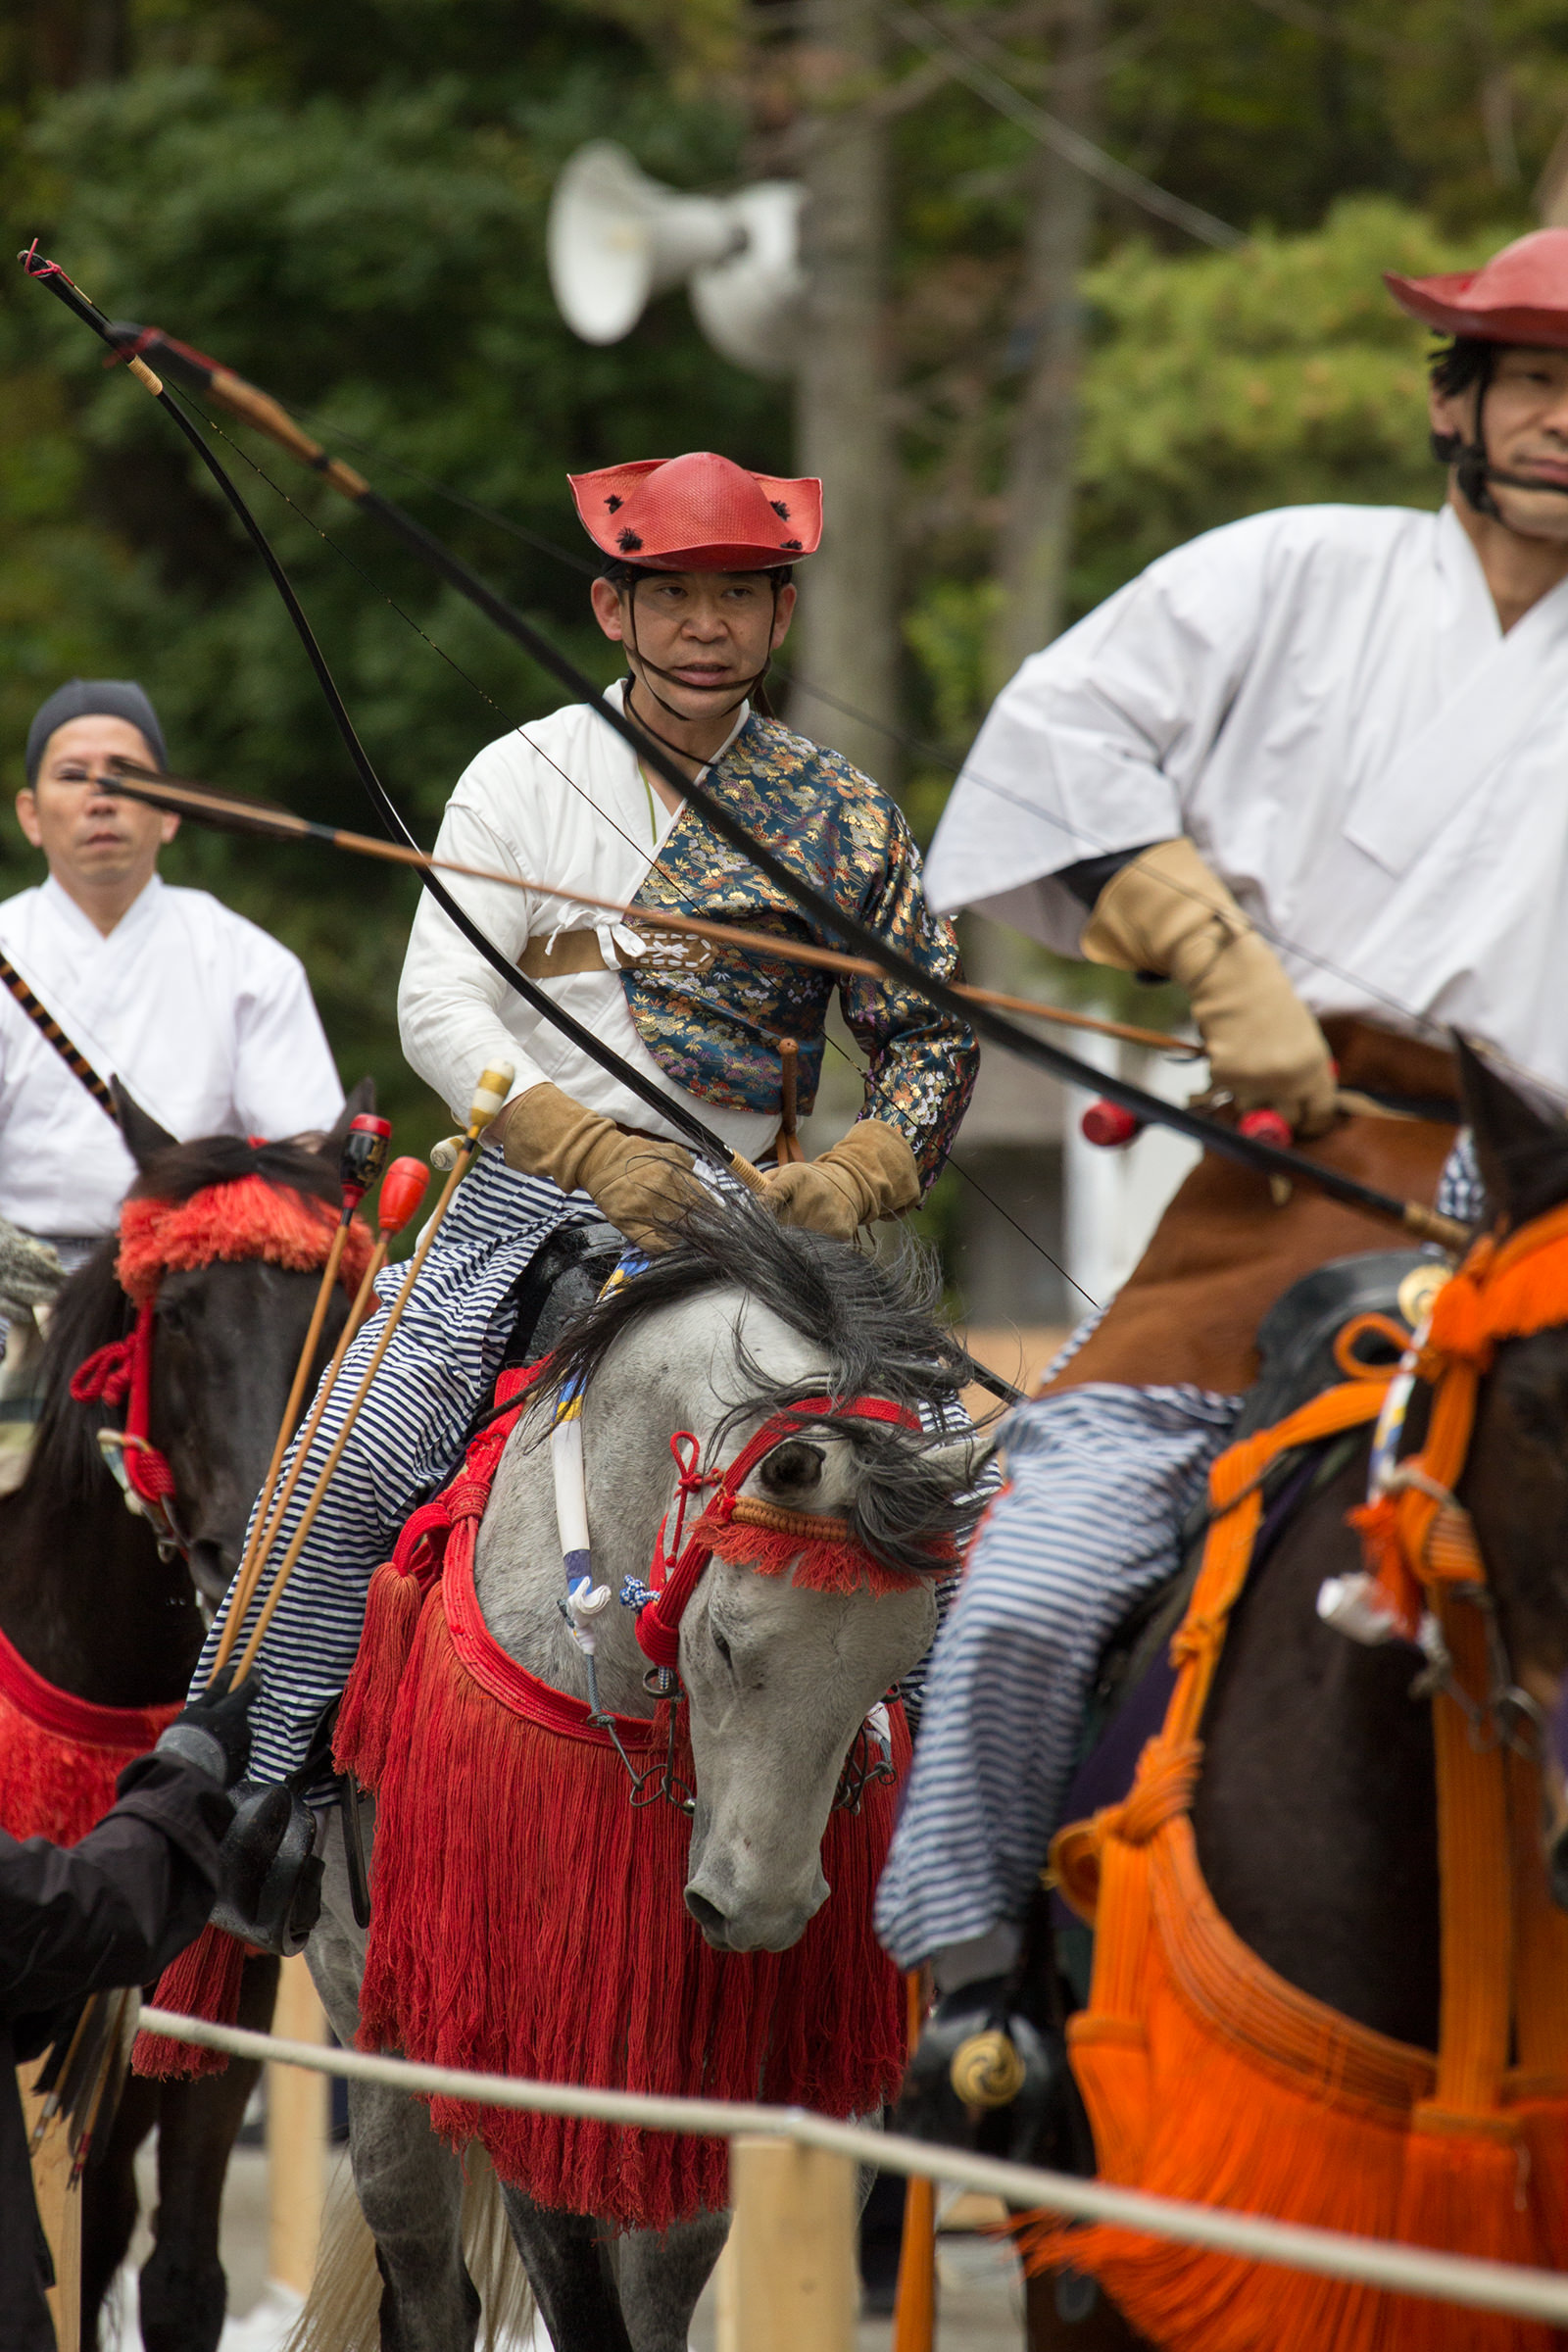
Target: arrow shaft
(185,799)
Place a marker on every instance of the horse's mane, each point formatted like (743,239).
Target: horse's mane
(875,1325)
(90,1309)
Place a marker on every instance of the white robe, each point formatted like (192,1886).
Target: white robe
(1323,699)
(205,1018)
(563,801)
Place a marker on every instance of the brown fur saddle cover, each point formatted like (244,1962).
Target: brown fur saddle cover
(1224,1251)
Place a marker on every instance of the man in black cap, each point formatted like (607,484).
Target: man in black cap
(206,1020)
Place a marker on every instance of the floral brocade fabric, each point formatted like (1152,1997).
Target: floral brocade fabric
(719,1033)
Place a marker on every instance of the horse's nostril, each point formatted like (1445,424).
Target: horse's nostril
(708,1916)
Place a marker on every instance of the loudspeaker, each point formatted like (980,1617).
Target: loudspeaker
(616,238)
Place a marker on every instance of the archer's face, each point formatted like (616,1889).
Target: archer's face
(709,632)
(92,838)
(1524,418)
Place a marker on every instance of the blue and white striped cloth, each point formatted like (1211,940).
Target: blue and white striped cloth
(404,1445)
(1100,1480)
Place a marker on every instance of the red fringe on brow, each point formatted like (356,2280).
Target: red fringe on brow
(826,1556)
(249,1218)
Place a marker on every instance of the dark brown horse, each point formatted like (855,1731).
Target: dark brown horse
(1316,1813)
(92,1608)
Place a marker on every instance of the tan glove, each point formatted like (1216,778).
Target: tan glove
(643,1187)
(870,1172)
(1166,912)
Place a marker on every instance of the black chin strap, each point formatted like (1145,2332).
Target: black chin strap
(1468,459)
(643,663)
(1473,470)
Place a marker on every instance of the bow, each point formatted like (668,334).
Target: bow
(267,414)
(701,1137)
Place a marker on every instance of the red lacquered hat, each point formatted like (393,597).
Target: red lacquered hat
(1519,296)
(700,512)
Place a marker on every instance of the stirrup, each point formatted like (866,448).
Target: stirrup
(269,1887)
(270,1862)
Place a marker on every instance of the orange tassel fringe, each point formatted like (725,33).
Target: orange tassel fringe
(1209,2077)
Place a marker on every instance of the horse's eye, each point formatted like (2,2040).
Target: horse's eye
(721,1645)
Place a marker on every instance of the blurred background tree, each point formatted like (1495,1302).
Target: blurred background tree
(348,202)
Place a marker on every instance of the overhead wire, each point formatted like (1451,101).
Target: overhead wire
(1062,138)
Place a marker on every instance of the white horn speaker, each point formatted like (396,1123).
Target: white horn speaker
(616,238)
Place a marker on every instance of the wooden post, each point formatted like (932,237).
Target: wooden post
(794,2247)
(60,2211)
(296,2136)
(726,2317)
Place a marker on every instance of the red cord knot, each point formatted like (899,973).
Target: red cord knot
(104,1377)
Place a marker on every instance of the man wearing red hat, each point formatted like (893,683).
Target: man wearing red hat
(1313,768)
(696,589)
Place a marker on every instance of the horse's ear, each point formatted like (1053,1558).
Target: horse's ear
(144,1137)
(1521,1144)
(331,1146)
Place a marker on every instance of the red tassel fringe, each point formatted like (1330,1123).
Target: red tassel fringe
(55,1786)
(364,1718)
(204,1981)
(541,1932)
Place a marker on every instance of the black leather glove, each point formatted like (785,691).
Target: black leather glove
(214,1733)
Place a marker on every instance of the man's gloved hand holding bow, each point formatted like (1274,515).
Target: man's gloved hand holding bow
(1165,912)
(645,1187)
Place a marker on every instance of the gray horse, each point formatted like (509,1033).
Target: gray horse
(742,1318)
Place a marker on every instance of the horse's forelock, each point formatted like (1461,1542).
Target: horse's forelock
(872,1324)
(873,1331)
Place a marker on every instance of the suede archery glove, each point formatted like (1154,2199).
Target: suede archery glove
(1165,912)
(642,1186)
(215,1730)
(870,1173)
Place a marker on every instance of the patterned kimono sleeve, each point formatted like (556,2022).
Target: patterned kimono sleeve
(921,1065)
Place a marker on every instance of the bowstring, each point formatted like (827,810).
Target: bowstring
(519,727)
(1081,837)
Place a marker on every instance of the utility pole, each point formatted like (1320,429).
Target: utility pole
(1034,541)
(846,640)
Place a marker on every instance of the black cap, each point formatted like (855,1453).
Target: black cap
(94,698)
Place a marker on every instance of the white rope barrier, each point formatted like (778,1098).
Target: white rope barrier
(1367,2262)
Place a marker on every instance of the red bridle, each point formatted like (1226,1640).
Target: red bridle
(676,1571)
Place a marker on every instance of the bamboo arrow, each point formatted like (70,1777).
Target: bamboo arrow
(227,813)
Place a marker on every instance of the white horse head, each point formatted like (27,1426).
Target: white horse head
(743,1320)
